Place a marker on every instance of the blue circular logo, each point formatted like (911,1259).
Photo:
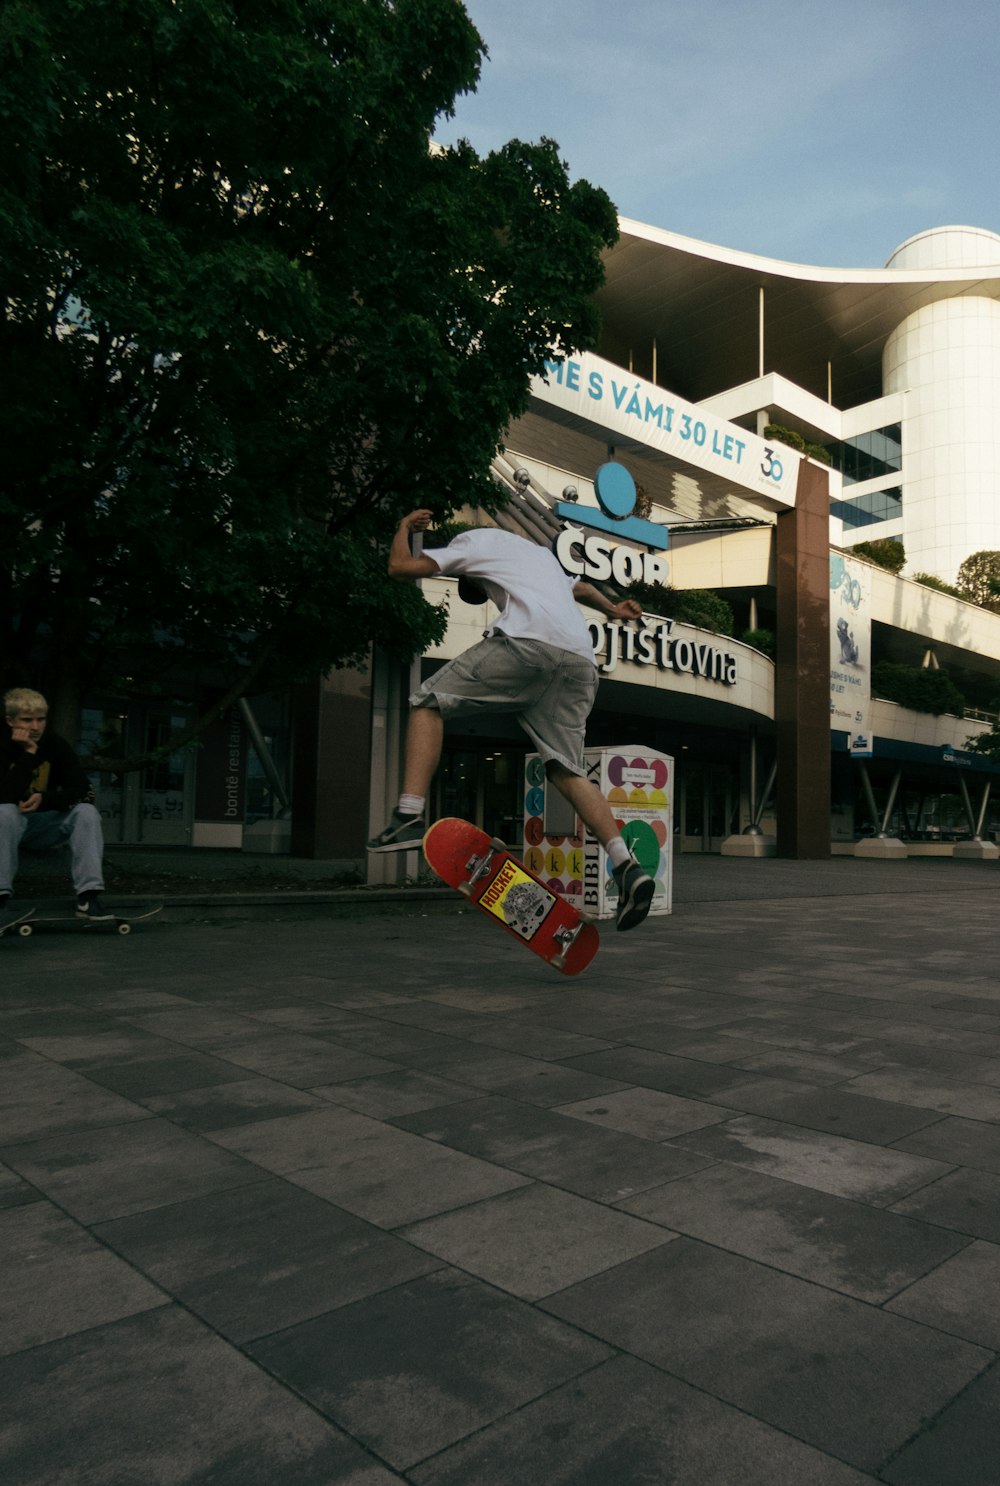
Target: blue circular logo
(615,490)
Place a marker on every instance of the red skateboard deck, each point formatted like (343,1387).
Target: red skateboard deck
(489,874)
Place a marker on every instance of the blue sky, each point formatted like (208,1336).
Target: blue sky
(823,133)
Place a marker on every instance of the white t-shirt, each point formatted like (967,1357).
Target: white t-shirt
(525,581)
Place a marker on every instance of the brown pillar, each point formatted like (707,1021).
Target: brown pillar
(802,670)
(331,766)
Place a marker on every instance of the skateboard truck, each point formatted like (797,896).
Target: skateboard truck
(479,866)
(566,938)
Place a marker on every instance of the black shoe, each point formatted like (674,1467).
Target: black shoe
(90,907)
(635,894)
(403,833)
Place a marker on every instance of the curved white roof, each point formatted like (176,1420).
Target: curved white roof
(700,302)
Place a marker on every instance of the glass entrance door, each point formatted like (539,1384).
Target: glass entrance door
(166,797)
(708,801)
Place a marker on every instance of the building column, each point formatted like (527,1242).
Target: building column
(802,670)
(332,744)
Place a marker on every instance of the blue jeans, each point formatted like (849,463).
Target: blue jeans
(80,828)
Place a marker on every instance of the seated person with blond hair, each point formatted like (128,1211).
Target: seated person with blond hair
(46,800)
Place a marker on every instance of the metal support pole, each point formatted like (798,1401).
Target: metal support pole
(765,794)
(982,811)
(891,802)
(964,788)
(262,751)
(866,785)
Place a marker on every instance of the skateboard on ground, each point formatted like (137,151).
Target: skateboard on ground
(120,923)
(15,922)
(488,873)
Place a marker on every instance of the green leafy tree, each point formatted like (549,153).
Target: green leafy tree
(248,316)
(978,579)
(698,606)
(781,435)
(921,689)
(885,552)
(930,581)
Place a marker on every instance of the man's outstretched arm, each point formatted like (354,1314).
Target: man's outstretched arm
(586,593)
(402,563)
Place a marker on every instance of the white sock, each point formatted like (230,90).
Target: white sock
(411,805)
(618,851)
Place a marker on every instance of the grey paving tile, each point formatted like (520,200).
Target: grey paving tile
(648,1113)
(383,1095)
(960,1446)
(158,1398)
(601,1164)
(393,1179)
(841,1375)
(413,1369)
(966,1200)
(38,1098)
(302,1061)
(626,1423)
(58,1279)
(803,1037)
(533,1041)
(949,1096)
(548,1084)
(262,1258)
(123,1169)
(657,1070)
(145,1078)
(201,1026)
(381,1038)
(961,1296)
(830,1163)
(839,1111)
(115,1043)
(847,1246)
(957,1141)
(535,1240)
(240,1102)
(385,1175)
(776,1062)
(14,1191)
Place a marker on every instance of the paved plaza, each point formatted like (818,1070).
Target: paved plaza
(371,1195)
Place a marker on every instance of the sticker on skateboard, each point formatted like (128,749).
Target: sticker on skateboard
(488,873)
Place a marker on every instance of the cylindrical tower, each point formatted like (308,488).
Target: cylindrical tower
(946,358)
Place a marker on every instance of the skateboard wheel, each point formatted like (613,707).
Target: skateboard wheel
(559,963)
(497,844)
(24,930)
(124,928)
(465,888)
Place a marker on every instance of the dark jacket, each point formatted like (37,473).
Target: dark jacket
(54,771)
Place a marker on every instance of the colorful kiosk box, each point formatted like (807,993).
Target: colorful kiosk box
(639,785)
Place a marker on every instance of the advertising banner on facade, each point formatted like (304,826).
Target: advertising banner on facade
(851,652)
(623,403)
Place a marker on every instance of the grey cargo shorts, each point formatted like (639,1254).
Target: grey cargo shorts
(552,692)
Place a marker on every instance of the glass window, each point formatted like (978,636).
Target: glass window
(869,455)
(869,510)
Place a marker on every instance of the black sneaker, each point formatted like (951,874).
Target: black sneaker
(635,894)
(90,907)
(403,833)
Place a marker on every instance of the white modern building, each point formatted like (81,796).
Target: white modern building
(896,370)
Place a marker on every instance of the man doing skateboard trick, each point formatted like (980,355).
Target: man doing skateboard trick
(537,661)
